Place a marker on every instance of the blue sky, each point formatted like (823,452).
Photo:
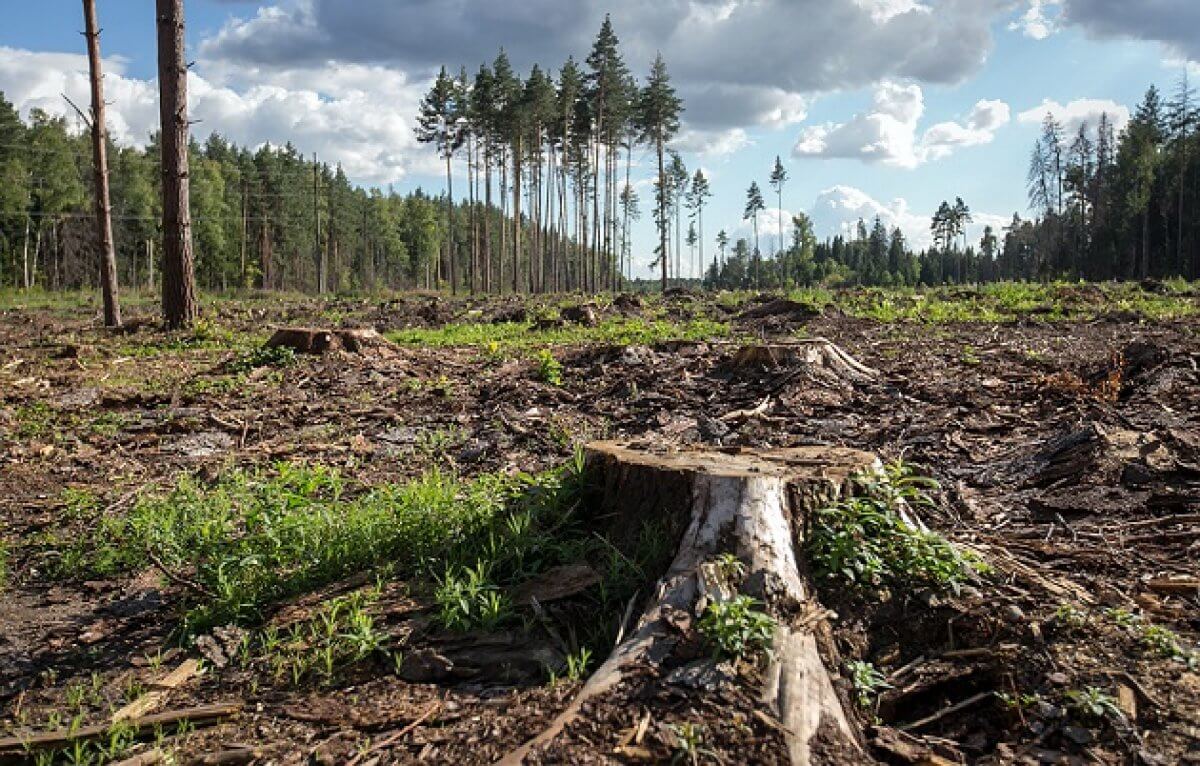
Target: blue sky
(896,104)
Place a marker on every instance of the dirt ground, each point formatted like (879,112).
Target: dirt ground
(1067,450)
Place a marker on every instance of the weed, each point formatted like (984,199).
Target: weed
(577,664)
(467,599)
(1070,616)
(549,369)
(867,680)
(264,356)
(868,540)
(689,743)
(735,628)
(1092,702)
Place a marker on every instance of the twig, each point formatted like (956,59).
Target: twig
(969,701)
(176,578)
(397,736)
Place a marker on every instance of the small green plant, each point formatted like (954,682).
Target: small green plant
(868,682)
(731,567)
(867,541)
(735,628)
(577,664)
(265,356)
(468,599)
(549,369)
(1093,702)
(1070,616)
(689,743)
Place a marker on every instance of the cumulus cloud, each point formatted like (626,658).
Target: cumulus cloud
(888,133)
(712,143)
(1077,112)
(366,126)
(738,63)
(838,209)
(1039,20)
(1173,23)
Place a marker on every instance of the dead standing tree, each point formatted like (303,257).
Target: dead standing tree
(178,277)
(108,258)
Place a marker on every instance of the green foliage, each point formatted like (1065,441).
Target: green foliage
(1093,702)
(735,628)
(549,369)
(865,542)
(689,743)
(867,681)
(264,356)
(509,336)
(340,635)
(468,599)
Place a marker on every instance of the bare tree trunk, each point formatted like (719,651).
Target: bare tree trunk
(487,217)
(178,279)
(516,192)
(25,272)
(104,233)
(453,266)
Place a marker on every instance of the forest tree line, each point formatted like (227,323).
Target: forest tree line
(1105,206)
(556,154)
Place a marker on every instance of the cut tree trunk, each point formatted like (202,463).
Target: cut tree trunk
(754,504)
(308,340)
(815,353)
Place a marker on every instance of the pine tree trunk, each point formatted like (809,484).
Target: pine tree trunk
(178,277)
(662,208)
(452,261)
(516,192)
(487,218)
(108,257)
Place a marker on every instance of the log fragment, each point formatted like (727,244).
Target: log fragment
(754,504)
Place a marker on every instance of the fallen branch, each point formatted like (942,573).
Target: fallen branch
(202,715)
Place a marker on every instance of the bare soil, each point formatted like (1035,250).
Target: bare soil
(1068,453)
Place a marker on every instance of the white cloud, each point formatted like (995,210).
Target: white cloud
(786,51)
(1036,22)
(838,209)
(712,143)
(364,123)
(1077,112)
(888,133)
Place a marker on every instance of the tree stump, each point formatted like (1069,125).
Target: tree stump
(307,340)
(754,504)
(815,354)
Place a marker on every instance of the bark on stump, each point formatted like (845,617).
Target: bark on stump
(308,340)
(756,505)
(813,354)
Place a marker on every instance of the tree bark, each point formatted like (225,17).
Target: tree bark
(108,257)
(755,505)
(178,271)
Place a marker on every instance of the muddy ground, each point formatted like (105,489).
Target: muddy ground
(1068,453)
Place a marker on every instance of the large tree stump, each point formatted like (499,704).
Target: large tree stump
(308,340)
(754,504)
(816,354)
